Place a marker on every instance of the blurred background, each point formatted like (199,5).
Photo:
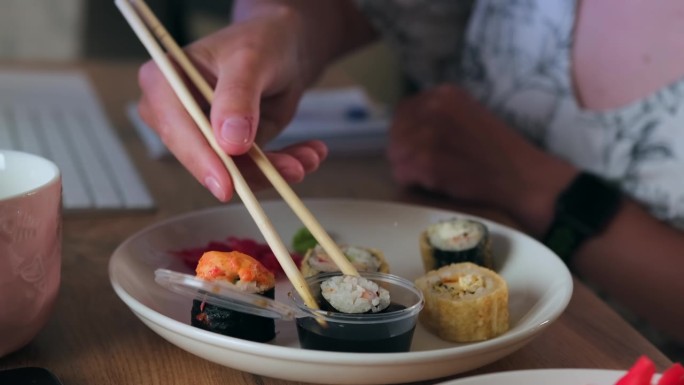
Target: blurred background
(72,30)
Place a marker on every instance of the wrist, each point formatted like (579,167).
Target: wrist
(534,209)
(582,211)
(250,9)
(323,31)
(280,30)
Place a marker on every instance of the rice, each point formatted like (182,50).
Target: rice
(352,294)
(456,234)
(363,259)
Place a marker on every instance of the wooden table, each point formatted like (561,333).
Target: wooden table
(93,338)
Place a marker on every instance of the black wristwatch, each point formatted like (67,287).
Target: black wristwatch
(582,210)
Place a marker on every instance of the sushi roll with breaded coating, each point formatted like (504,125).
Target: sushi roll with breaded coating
(453,241)
(364,259)
(464,302)
(245,274)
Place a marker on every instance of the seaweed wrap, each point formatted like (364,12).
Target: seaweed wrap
(364,259)
(246,274)
(464,302)
(453,241)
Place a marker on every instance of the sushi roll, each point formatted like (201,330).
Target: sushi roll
(464,302)
(246,274)
(351,294)
(316,260)
(454,241)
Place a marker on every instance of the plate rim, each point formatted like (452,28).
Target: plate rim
(525,374)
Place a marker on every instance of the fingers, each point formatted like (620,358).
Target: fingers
(235,108)
(309,154)
(402,138)
(161,109)
(410,144)
(252,75)
(293,163)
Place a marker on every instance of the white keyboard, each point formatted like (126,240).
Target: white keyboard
(58,115)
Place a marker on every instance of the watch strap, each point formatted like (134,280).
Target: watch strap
(582,211)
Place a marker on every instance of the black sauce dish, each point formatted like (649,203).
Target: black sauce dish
(390,330)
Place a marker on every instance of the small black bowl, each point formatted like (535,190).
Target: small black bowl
(388,331)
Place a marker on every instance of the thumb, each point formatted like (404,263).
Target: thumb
(235,111)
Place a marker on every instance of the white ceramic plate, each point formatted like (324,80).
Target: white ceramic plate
(540,287)
(546,377)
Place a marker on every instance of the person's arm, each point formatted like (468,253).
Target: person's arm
(445,141)
(638,260)
(259,66)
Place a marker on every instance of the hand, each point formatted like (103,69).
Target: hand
(255,68)
(445,141)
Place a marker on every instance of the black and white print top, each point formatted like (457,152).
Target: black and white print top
(514,56)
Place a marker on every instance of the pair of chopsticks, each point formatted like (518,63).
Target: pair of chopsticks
(146,26)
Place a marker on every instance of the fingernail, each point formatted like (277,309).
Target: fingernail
(213,185)
(236,130)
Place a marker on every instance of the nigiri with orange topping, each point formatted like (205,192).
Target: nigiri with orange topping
(246,274)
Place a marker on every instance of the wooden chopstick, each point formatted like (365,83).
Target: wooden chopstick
(257,155)
(241,187)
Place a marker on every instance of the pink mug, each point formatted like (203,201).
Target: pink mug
(30,245)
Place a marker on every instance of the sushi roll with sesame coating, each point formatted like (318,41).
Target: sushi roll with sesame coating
(364,259)
(246,274)
(453,241)
(464,302)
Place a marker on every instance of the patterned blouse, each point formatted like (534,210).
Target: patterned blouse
(514,56)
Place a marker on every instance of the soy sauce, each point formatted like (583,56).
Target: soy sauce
(392,336)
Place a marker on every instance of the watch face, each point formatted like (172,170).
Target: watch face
(582,211)
(589,203)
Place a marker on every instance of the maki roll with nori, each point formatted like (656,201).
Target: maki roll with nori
(453,241)
(364,259)
(246,274)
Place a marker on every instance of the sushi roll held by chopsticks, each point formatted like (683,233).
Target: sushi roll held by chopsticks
(352,295)
(246,274)
(453,241)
